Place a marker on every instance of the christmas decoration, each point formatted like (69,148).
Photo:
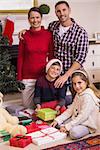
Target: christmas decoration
(8,82)
(45,9)
(9,29)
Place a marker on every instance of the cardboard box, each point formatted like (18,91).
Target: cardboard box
(46,114)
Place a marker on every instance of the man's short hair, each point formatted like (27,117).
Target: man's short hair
(62,2)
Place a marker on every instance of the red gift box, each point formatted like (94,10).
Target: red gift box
(32,127)
(36,127)
(20,141)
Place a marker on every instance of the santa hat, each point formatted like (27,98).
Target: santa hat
(51,62)
(9,29)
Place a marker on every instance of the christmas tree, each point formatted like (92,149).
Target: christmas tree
(8,82)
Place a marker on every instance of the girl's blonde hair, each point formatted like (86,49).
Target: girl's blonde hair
(84,76)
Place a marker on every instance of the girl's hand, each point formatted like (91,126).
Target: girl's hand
(54,123)
(63,129)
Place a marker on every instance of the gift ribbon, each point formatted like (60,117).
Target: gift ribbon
(27,113)
(46,134)
(20,137)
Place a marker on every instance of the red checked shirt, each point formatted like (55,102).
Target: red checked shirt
(71,46)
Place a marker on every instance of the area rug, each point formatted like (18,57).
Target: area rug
(91,143)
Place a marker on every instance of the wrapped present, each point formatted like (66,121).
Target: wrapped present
(47,136)
(24,120)
(41,124)
(46,114)
(4,136)
(27,112)
(20,141)
(36,126)
(32,127)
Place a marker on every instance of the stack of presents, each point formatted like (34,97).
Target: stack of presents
(38,128)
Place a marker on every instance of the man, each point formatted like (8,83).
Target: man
(70,42)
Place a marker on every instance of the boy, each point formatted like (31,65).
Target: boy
(46,95)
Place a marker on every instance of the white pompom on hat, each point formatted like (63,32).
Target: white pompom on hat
(51,62)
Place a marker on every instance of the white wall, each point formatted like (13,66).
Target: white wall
(85,12)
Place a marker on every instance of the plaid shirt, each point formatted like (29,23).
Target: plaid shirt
(72,46)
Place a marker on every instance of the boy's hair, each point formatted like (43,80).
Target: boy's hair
(62,2)
(84,76)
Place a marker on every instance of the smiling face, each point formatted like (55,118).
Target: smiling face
(79,84)
(35,20)
(53,72)
(62,12)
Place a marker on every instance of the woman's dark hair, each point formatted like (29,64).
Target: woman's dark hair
(62,2)
(34,9)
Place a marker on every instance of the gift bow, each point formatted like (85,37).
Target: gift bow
(46,134)
(21,137)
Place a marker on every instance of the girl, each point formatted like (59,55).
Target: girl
(81,117)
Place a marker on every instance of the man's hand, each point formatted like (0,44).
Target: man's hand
(20,34)
(60,81)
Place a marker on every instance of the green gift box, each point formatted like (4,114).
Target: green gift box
(46,114)
(4,136)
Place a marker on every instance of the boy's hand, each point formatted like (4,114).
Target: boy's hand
(54,123)
(58,109)
(20,34)
(38,107)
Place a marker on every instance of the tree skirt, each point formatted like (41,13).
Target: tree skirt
(91,143)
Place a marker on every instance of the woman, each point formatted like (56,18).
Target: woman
(34,51)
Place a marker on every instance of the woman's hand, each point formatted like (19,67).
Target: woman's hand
(20,34)
(54,123)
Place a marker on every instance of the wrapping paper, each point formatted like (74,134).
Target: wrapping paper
(20,141)
(46,114)
(47,136)
(32,127)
